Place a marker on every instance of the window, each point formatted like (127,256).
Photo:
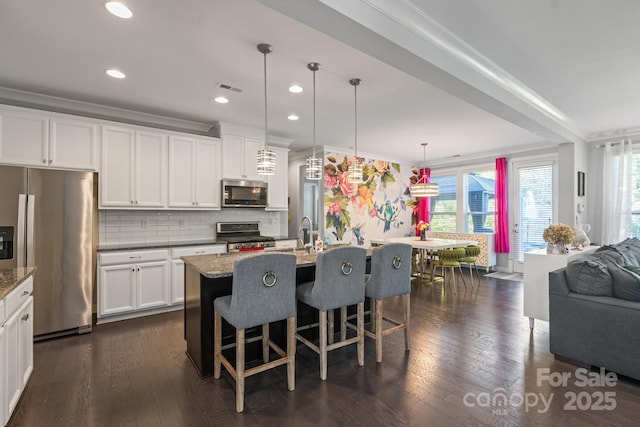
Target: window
(443,207)
(481,206)
(477,211)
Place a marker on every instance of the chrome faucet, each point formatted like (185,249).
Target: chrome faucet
(310,244)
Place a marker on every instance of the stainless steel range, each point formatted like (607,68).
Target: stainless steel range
(243,236)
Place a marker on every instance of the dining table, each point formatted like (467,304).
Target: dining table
(426,249)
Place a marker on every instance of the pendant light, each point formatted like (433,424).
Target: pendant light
(355,170)
(266,161)
(422,188)
(313,170)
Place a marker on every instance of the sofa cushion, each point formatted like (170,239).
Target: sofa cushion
(626,283)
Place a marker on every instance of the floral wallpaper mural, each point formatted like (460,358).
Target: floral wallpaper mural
(380,207)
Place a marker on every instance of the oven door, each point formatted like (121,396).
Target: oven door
(244,194)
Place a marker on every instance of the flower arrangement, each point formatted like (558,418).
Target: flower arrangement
(558,234)
(422,226)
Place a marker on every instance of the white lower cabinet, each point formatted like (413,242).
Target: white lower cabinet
(16,347)
(3,375)
(133,284)
(177,267)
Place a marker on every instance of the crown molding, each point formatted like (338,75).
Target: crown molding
(20,98)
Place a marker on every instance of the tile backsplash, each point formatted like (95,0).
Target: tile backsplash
(133,226)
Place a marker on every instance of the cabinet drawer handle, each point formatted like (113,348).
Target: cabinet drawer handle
(25,317)
(44,161)
(199,252)
(135,257)
(50,161)
(25,293)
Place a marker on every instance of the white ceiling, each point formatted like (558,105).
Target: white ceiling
(418,61)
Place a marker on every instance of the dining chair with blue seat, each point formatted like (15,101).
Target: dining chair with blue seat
(263,291)
(339,282)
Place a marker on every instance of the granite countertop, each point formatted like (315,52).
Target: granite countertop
(153,245)
(221,265)
(10,278)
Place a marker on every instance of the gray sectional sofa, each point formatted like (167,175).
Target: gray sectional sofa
(594,309)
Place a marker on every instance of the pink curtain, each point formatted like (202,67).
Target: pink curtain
(424,203)
(502,210)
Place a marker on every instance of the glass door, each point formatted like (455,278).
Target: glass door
(534,207)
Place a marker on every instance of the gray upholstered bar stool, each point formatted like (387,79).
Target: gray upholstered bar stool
(263,291)
(390,277)
(339,282)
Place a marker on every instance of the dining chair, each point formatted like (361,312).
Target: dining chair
(339,282)
(263,291)
(470,257)
(449,259)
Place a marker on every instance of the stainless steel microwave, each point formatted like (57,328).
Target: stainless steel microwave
(244,194)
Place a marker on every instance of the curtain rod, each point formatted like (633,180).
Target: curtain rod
(633,142)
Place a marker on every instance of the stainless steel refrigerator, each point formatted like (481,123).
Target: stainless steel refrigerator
(46,220)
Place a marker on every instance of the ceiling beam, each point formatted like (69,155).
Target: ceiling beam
(405,37)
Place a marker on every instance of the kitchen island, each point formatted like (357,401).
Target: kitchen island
(208,277)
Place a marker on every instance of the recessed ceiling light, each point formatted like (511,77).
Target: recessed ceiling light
(295,89)
(116,74)
(221,99)
(119,9)
(293,117)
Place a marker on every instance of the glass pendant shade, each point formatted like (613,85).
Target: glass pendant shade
(313,170)
(355,175)
(266,160)
(424,189)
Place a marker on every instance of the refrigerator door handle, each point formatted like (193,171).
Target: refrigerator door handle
(31,204)
(21,233)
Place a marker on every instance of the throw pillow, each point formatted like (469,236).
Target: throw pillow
(589,276)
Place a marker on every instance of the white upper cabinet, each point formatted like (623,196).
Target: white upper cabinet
(278,189)
(150,171)
(73,143)
(41,139)
(194,172)
(239,155)
(134,168)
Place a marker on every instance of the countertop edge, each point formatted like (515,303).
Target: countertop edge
(158,245)
(17,278)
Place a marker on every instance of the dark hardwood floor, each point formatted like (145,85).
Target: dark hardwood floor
(466,350)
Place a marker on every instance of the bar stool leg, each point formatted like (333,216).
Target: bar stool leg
(239,370)
(343,323)
(291,353)
(360,334)
(323,345)
(331,326)
(406,299)
(378,331)
(217,344)
(265,342)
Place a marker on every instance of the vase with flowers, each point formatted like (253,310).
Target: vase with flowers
(558,236)
(422,228)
